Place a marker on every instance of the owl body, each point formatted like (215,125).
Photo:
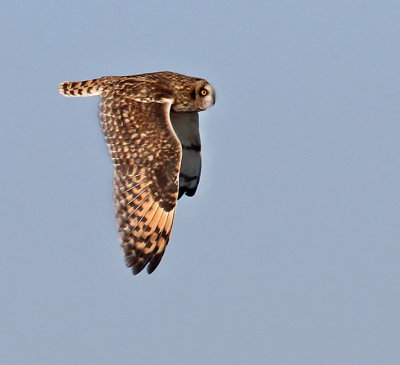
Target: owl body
(150,124)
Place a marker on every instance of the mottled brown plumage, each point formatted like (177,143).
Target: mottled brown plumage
(150,124)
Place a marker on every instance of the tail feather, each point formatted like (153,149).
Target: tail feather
(81,88)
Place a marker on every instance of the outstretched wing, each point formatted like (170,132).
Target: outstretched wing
(186,127)
(147,158)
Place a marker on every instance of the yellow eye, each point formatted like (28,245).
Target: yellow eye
(203,92)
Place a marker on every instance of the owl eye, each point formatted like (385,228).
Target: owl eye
(203,92)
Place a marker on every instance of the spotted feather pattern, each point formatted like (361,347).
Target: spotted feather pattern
(144,226)
(81,88)
(147,157)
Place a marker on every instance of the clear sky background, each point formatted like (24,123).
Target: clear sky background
(290,251)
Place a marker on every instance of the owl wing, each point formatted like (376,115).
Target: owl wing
(147,157)
(186,127)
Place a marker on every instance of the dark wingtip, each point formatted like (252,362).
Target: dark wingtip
(154,262)
(137,264)
(191,192)
(182,191)
(140,264)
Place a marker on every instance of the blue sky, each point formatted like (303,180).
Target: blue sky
(289,252)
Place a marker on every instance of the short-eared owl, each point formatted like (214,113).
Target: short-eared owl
(151,127)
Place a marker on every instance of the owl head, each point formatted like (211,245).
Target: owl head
(204,95)
(193,94)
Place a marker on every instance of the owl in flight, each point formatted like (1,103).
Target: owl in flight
(151,127)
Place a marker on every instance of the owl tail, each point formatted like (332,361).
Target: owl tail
(81,88)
